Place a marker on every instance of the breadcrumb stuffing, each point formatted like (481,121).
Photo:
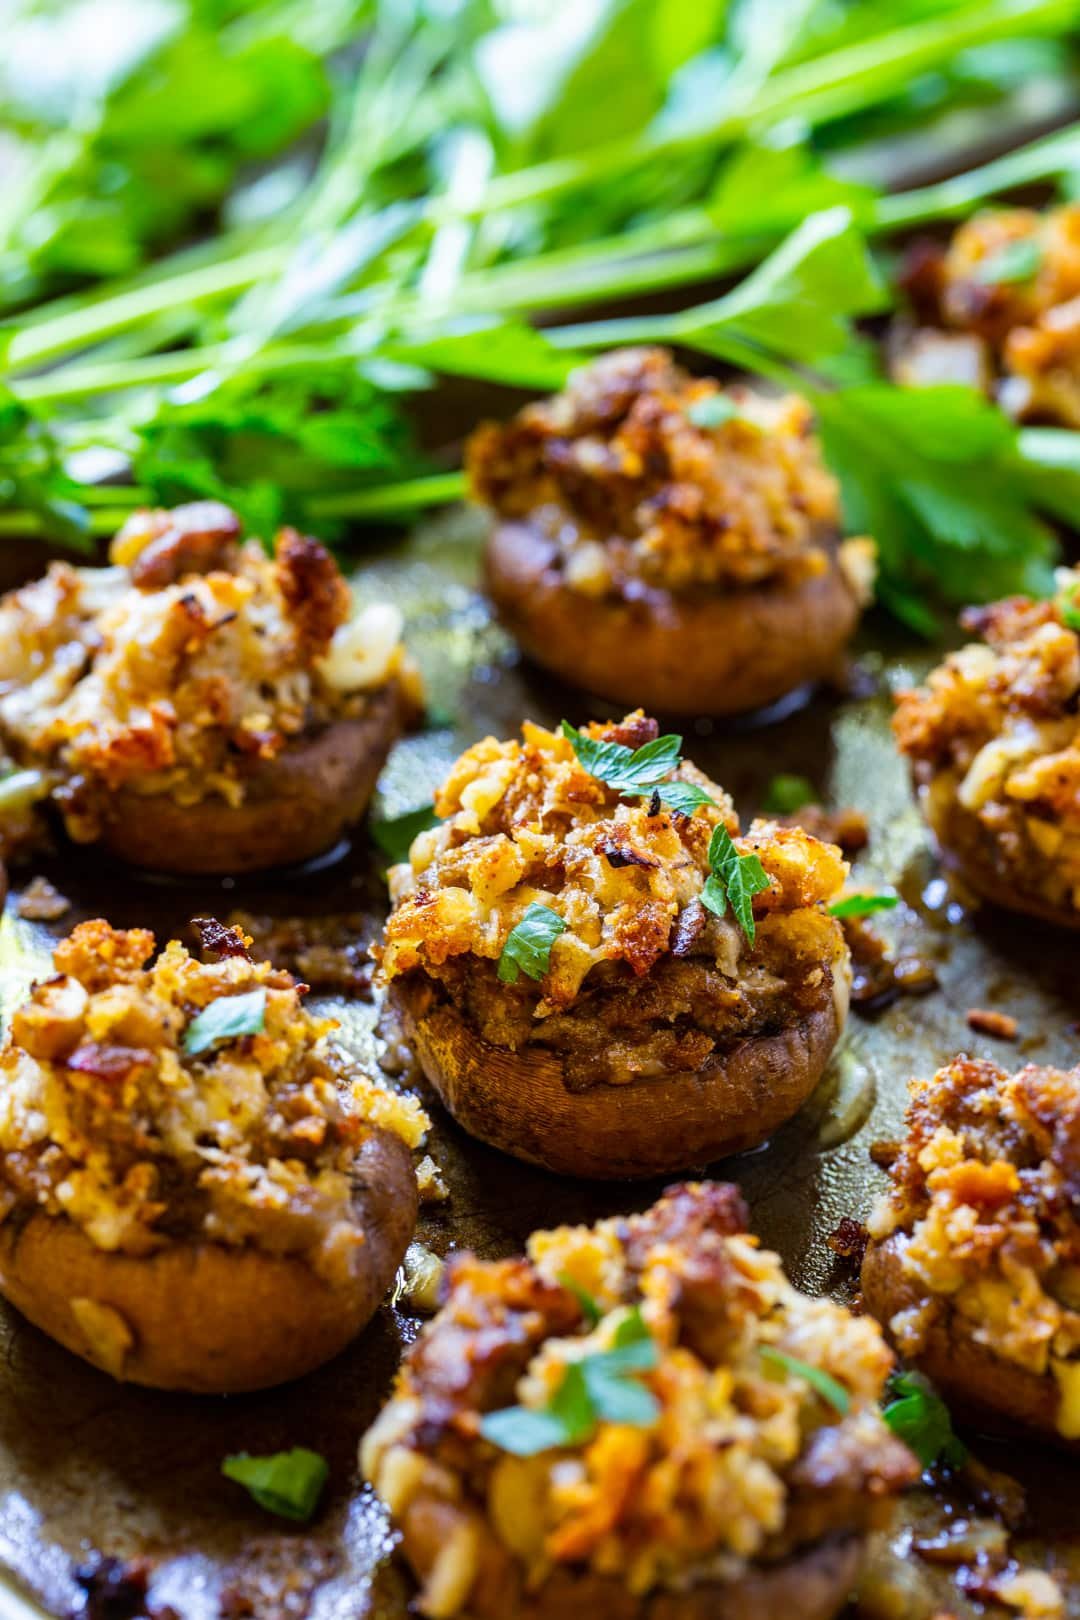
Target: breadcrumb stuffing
(995,739)
(985,1189)
(744,1458)
(641,474)
(1017,332)
(108,1118)
(191,657)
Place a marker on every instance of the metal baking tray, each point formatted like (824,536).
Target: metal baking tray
(92,1469)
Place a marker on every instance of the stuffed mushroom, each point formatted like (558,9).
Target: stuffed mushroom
(201,706)
(597,971)
(642,1420)
(194,1193)
(994,742)
(974,1260)
(658,540)
(998,308)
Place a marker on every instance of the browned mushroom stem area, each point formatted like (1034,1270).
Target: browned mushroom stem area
(993,739)
(659,541)
(659,1032)
(974,1259)
(193,1193)
(725,1483)
(201,706)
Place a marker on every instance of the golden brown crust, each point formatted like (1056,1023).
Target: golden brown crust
(970,1377)
(207,1317)
(520,1102)
(703,652)
(814,1585)
(295,806)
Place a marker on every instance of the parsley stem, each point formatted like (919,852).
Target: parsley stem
(388,500)
(828,87)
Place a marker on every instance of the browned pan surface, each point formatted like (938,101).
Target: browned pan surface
(89,1466)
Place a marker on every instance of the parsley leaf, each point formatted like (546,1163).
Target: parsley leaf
(826,1386)
(289,1483)
(597,1388)
(1012,262)
(394,834)
(863,905)
(528,944)
(918,1416)
(712,411)
(225,1019)
(640,772)
(785,794)
(590,1310)
(733,879)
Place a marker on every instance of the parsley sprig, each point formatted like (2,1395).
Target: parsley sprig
(831,1391)
(638,773)
(863,905)
(600,1387)
(918,1416)
(733,880)
(289,1483)
(528,945)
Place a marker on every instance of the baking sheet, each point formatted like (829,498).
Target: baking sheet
(88,1467)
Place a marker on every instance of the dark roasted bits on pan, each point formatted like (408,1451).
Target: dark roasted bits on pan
(843,826)
(878,978)
(849,1240)
(41,902)
(116,1589)
(885,1153)
(278,1580)
(218,940)
(330,954)
(1002,1026)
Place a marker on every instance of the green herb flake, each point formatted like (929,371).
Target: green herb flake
(712,411)
(394,835)
(863,905)
(733,880)
(785,794)
(918,1416)
(225,1019)
(1067,605)
(1012,263)
(638,773)
(590,1310)
(528,944)
(289,1483)
(833,1393)
(598,1388)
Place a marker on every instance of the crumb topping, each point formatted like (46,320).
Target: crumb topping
(111,1115)
(525,823)
(995,735)
(630,482)
(742,1461)
(191,658)
(1023,324)
(986,1190)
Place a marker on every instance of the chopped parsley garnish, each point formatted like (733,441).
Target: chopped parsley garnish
(638,773)
(590,1310)
(863,905)
(785,794)
(918,1416)
(599,1388)
(394,834)
(528,944)
(712,411)
(1068,607)
(289,1483)
(826,1386)
(733,880)
(1013,262)
(225,1019)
